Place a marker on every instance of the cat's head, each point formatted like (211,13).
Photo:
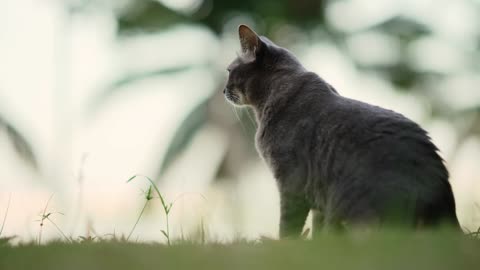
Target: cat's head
(258,60)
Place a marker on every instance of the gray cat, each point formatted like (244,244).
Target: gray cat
(355,163)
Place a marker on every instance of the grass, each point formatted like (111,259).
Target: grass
(382,250)
(46,216)
(166,206)
(387,249)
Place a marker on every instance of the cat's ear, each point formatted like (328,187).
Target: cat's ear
(249,40)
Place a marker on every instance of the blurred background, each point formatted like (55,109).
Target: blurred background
(93,92)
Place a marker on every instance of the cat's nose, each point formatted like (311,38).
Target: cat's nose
(224,90)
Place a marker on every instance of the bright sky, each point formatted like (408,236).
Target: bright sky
(51,67)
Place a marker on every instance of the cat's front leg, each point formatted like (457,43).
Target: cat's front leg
(293,213)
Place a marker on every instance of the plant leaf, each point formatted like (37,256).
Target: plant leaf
(119,85)
(143,15)
(184,134)
(131,178)
(21,145)
(152,185)
(140,76)
(148,16)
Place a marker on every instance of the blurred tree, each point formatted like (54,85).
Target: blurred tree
(148,15)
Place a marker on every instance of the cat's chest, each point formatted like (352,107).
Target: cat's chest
(263,144)
(277,147)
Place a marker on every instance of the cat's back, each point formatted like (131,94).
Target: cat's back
(312,120)
(370,125)
(310,113)
(390,155)
(380,136)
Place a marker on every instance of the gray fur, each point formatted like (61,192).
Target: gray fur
(352,162)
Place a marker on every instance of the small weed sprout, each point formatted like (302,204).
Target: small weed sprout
(166,206)
(46,216)
(87,239)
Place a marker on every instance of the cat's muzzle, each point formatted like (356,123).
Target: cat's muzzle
(231,96)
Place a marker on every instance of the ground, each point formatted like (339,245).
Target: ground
(393,250)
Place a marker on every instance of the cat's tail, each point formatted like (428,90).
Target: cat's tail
(440,212)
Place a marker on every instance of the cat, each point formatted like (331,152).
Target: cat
(353,163)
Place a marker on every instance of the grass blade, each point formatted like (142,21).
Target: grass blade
(6,214)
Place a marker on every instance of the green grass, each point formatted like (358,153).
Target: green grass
(382,250)
(387,249)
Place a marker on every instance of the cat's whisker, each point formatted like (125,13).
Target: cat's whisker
(251,118)
(238,118)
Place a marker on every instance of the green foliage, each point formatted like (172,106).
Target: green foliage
(146,15)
